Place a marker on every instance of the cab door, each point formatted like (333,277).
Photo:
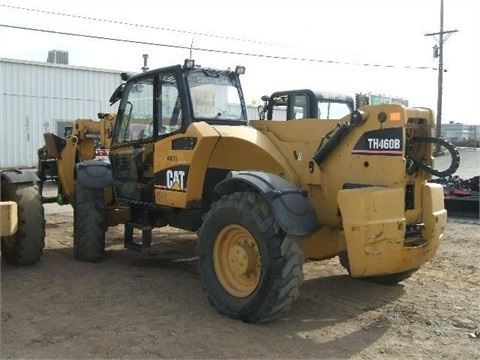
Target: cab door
(149,112)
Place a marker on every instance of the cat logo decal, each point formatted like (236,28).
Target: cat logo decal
(174,179)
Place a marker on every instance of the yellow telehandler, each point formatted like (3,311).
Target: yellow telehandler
(263,195)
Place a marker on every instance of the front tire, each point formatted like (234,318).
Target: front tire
(25,247)
(89,224)
(249,268)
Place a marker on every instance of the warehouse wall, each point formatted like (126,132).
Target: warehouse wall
(41,97)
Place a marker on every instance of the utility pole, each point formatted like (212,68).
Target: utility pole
(438,52)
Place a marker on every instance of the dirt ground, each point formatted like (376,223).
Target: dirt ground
(135,306)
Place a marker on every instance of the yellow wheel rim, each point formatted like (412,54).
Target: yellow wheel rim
(237,260)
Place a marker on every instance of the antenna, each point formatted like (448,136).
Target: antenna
(191,48)
(145,60)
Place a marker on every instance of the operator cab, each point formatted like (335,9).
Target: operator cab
(150,152)
(305,104)
(164,101)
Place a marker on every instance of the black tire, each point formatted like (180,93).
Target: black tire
(25,247)
(89,224)
(391,279)
(249,269)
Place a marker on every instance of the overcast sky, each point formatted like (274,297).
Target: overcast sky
(347,46)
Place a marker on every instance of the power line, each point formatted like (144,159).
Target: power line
(229,52)
(119,22)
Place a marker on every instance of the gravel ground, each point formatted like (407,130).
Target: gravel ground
(134,306)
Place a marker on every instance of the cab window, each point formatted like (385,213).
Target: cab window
(153,108)
(169,117)
(332,110)
(290,107)
(137,111)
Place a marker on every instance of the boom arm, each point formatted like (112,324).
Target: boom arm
(80,146)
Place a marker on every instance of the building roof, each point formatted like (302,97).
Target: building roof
(55,65)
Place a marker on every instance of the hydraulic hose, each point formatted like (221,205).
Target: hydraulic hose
(336,136)
(451,149)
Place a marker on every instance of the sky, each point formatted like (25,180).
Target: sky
(347,46)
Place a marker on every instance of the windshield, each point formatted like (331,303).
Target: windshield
(214,95)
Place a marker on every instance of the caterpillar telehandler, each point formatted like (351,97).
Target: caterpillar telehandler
(263,195)
(22,226)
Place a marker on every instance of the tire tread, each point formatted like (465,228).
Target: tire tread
(89,225)
(286,259)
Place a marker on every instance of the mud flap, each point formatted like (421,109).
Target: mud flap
(16,176)
(290,205)
(94,174)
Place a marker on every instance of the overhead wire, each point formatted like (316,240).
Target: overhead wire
(119,22)
(153,27)
(229,52)
(191,48)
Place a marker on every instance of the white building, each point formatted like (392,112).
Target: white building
(37,97)
(456,132)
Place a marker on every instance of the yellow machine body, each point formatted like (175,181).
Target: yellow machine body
(262,194)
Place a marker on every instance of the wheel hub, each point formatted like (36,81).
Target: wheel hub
(237,260)
(242,259)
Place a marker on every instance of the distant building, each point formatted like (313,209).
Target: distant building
(375,99)
(456,132)
(39,97)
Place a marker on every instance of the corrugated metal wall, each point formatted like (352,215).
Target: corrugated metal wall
(35,97)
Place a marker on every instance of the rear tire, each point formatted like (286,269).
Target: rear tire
(391,279)
(249,269)
(89,224)
(25,247)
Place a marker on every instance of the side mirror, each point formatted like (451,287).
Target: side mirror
(117,94)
